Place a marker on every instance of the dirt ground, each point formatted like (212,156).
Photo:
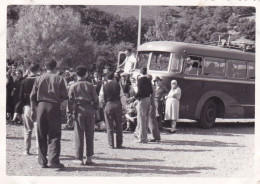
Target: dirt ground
(226,150)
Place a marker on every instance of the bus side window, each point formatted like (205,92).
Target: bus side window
(192,65)
(251,70)
(236,69)
(214,67)
(210,69)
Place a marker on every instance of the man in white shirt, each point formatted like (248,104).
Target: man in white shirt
(129,62)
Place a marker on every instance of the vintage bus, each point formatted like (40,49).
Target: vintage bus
(216,82)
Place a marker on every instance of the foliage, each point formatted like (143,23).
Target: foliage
(202,24)
(75,35)
(43,33)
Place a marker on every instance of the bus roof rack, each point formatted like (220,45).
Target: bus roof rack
(245,47)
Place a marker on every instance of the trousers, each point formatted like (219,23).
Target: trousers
(153,123)
(113,113)
(142,108)
(49,132)
(28,128)
(84,125)
(159,110)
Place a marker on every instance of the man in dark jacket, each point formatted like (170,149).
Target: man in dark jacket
(24,99)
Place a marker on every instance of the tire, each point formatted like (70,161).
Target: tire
(208,114)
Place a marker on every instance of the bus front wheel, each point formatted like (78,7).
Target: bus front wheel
(208,114)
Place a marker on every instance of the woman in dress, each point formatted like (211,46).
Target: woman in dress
(172,105)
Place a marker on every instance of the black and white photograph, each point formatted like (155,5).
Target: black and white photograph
(130,90)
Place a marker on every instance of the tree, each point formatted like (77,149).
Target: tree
(49,32)
(200,24)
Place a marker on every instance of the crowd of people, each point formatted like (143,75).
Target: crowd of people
(47,98)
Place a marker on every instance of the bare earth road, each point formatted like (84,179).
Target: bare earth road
(226,150)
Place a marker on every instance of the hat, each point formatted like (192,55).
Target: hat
(173,82)
(157,78)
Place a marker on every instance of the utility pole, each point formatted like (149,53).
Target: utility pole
(139,26)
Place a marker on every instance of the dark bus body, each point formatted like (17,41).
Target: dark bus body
(215,82)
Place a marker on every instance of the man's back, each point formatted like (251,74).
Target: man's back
(144,87)
(83,92)
(49,87)
(26,89)
(111,91)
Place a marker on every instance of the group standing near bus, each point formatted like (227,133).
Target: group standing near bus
(161,84)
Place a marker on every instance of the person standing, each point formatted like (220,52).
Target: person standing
(48,92)
(172,105)
(24,98)
(160,92)
(9,97)
(83,101)
(153,123)
(144,91)
(15,93)
(129,61)
(110,95)
(97,81)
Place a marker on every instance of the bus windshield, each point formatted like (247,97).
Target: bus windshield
(142,60)
(159,61)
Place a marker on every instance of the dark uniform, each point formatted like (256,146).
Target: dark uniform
(153,123)
(83,101)
(49,91)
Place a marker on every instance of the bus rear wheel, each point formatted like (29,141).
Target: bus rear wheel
(208,114)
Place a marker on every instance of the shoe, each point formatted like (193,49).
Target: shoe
(119,146)
(154,140)
(142,142)
(26,153)
(135,135)
(58,165)
(128,129)
(13,122)
(89,161)
(44,166)
(110,146)
(161,128)
(172,131)
(78,161)
(19,122)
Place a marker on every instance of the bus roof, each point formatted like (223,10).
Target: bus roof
(197,49)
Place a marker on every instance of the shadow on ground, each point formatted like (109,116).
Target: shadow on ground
(136,169)
(219,129)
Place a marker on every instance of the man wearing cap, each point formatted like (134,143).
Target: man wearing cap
(153,123)
(160,92)
(49,90)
